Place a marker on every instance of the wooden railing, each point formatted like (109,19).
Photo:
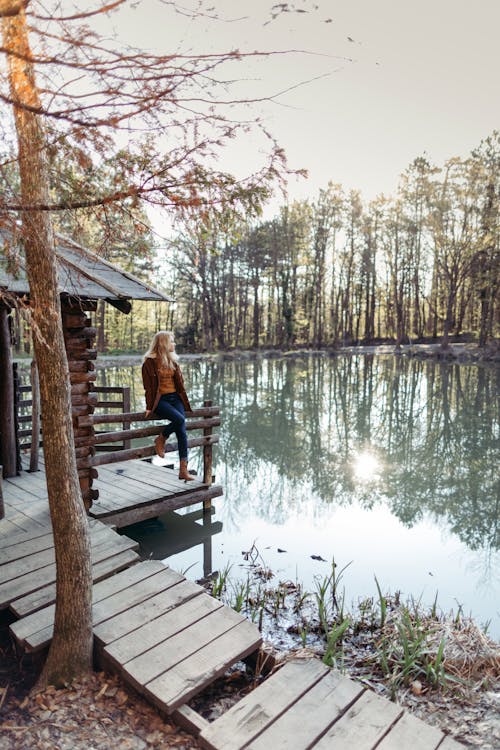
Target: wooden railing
(122,403)
(29,422)
(24,402)
(106,447)
(204,419)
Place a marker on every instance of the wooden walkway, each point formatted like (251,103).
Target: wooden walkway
(167,638)
(307,705)
(162,633)
(129,491)
(28,571)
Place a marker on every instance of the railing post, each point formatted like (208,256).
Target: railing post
(207,453)
(2,508)
(35,417)
(8,454)
(207,479)
(17,398)
(126,408)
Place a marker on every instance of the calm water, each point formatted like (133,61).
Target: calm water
(382,462)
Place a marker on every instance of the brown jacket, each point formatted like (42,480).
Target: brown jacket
(151,383)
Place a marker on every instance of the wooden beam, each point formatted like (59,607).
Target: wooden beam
(147,450)
(138,416)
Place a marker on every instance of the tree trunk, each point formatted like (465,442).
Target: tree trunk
(70,652)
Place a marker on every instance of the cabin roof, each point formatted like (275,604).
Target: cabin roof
(81,273)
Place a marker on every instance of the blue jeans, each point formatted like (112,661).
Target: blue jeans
(171,407)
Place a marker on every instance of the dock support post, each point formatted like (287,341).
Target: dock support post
(207,504)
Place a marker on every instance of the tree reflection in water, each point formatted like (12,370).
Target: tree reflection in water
(418,437)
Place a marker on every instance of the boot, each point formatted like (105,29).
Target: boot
(160,446)
(183,471)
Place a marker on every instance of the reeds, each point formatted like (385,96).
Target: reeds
(403,645)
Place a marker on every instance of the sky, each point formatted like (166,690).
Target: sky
(383,81)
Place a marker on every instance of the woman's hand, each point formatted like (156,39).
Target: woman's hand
(148,412)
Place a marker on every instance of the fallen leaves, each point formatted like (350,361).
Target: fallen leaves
(97,711)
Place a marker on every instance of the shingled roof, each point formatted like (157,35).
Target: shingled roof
(80,272)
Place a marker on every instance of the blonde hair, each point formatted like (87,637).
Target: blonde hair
(160,349)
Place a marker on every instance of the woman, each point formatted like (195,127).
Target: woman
(166,396)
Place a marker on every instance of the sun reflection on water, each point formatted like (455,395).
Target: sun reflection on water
(366,466)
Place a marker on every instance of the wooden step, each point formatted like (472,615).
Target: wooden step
(305,704)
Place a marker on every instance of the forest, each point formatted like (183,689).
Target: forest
(422,265)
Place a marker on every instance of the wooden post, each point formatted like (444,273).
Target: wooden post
(207,479)
(79,338)
(126,410)
(17,398)
(207,453)
(35,417)
(8,456)
(2,508)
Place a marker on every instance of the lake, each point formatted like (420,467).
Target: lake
(387,464)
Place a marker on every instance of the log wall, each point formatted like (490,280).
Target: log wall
(79,336)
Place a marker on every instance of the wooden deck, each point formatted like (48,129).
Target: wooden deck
(129,491)
(307,705)
(167,638)
(162,633)
(132,491)
(28,571)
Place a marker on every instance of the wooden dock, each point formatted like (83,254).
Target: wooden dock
(168,639)
(129,491)
(132,491)
(162,633)
(28,571)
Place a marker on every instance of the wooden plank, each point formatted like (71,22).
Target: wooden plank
(18,525)
(123,600)
(137,483)
(180,645)
(145,651)
(259,709)
(134,512)
(190,720)
(47,595)
(37,540)
(29,517)
(179,684)
(109,483)
(159,477)
(307,720)
(362,726)
(411,732)
(36,578)
(35,631)
(139,452)
(30,564)
(139,618)
(27,547)
(32,486)
(131,496)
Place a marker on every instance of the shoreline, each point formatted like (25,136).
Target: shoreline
(457,353)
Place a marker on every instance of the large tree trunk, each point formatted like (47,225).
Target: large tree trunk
(71,649)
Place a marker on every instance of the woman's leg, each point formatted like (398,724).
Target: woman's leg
(171,407)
